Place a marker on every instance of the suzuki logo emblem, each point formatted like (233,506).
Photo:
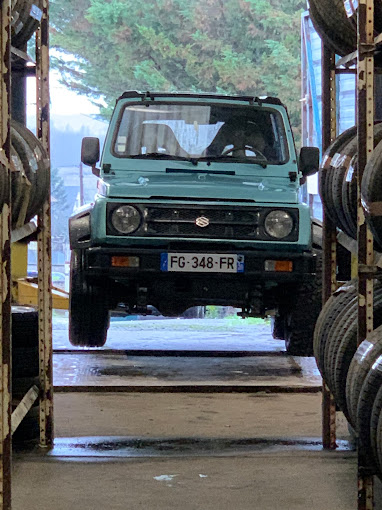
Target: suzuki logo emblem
(202,221)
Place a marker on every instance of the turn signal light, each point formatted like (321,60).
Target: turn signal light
(284,266)
(120,261)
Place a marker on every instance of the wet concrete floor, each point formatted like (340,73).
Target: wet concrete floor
(186,450)
(246,355)
(291,481)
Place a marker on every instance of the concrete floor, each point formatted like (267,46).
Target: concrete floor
(189,450)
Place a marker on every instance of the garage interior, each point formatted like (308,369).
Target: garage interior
(181,413)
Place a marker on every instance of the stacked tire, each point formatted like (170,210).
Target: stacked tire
(353,375)
(25,370)
(26,16)
(336,23)
(335,337)
(364,399)
(371,193)
(29,175)
(338,179)
(30,171)
(29,162)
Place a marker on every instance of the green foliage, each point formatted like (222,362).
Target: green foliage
(233,46)
(231,318)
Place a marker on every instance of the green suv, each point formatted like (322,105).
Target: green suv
(198,202)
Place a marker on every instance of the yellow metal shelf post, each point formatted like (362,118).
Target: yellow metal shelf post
(44,240)
(329,133)
(5,261)
(365,123)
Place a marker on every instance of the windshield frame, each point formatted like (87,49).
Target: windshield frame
(203,159)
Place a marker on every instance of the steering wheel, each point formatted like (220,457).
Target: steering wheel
(246,147)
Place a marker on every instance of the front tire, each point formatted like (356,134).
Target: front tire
(88,310)
(301,317)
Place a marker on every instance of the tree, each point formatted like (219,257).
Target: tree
(233,46)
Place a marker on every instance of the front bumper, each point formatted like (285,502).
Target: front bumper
(98,263)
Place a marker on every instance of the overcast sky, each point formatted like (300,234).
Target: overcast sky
(63,101)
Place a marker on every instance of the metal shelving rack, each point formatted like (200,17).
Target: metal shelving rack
(9,420)
(364,57)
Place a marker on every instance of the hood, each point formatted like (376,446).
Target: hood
(207,186)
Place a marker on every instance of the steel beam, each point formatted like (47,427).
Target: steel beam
(191,388)
(329,133)
(24,407)
(44,240)
(365,118)
(5,261)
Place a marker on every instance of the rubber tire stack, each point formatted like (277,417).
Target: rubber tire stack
(371,192)
(335,338)
(26,16)
(30,173)
(364,397)
(338,182)
(336,28)
(353,375)
(25,369)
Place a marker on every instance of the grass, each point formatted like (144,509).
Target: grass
(223,325)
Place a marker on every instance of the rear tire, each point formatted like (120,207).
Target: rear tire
(278,327)
(88,310)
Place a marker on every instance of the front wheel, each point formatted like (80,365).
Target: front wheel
(300,317)
(88,310)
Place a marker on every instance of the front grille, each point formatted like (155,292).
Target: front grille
(226,223)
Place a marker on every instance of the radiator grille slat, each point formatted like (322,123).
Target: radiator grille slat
(225,223)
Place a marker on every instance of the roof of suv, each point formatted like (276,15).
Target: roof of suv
(130,94)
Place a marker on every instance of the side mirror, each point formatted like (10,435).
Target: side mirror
(309,160)
(90,151)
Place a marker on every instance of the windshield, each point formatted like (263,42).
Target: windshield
(201,132)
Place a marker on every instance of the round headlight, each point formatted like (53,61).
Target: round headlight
(278,224)
(126,219)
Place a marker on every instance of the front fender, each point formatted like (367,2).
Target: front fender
(80,228)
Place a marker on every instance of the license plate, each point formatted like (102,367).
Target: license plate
(202,262)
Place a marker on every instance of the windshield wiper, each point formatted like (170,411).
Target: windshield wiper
(190,171)
(246,159)
(161,155)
